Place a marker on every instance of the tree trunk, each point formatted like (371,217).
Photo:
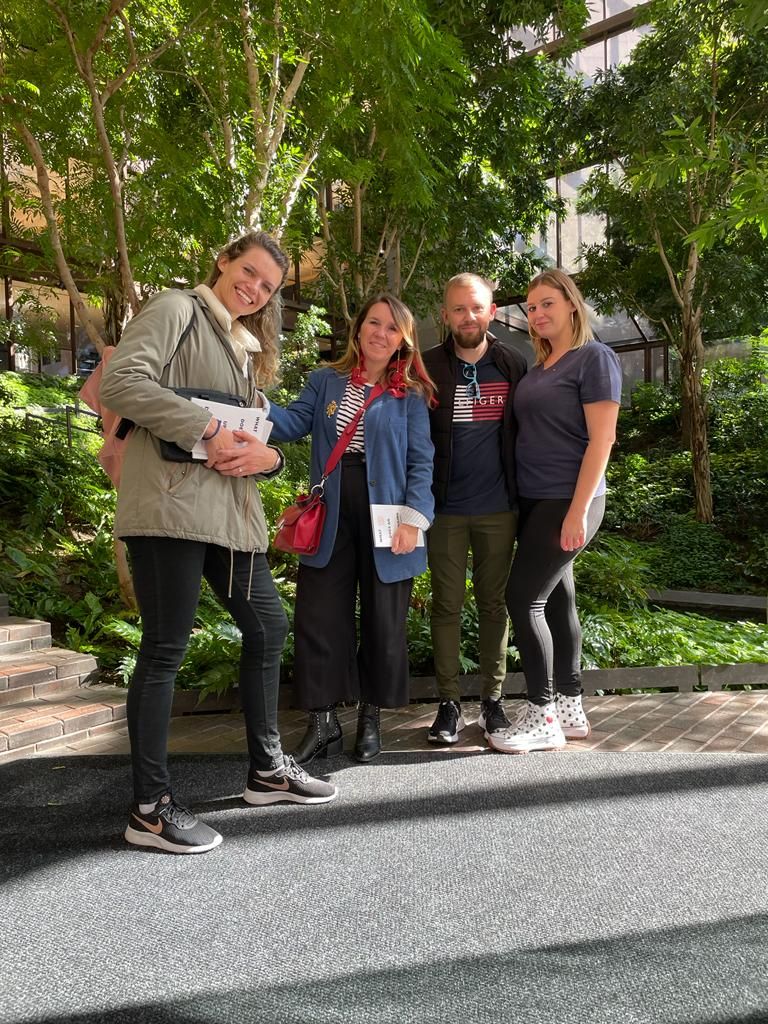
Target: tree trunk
(124,574)
(394,266)
(46,199)
(695,416)
(117,313)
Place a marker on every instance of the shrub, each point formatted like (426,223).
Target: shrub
(645,491)
(615,639)
(689,555)
(737,392)
(613,572)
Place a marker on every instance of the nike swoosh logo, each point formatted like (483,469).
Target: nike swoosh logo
(274,785)
(157,829)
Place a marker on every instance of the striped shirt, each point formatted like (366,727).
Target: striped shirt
(354,396)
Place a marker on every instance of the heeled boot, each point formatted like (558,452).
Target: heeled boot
(368,740)
(323,737)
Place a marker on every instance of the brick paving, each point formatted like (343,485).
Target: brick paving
(41,724)
(690,722)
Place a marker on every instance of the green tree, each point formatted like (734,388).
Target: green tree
(452,175)
(173,126)
(679,125)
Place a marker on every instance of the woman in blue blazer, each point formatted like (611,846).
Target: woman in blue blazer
(388,462)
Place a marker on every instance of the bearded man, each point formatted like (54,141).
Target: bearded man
(473,433)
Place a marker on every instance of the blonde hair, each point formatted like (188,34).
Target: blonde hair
(582,330)
(466,281)
(266,322)
(411,366)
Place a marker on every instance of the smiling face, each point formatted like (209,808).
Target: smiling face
(549,314)
(247,282)
(379,338)
(468,312)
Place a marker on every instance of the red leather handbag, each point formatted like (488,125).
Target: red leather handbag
(300,526)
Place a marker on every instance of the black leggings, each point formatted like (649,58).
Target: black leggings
(541,598)
(167,574)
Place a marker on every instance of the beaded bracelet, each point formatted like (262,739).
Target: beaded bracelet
(210,437)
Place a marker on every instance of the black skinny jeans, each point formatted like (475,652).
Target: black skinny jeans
(167,575)
(541,598)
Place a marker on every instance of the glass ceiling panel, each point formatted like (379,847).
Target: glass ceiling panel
(615,327)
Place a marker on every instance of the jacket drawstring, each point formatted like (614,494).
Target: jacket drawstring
(232,573)
(250,577)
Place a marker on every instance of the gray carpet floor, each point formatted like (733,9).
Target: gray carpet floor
(548,888)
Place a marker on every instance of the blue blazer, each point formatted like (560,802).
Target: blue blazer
(398,460)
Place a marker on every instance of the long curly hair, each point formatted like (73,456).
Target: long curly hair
(582,330)
(266,322)
(414,373)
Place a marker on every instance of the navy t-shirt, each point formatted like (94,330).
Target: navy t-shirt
(478,486)
(551,427)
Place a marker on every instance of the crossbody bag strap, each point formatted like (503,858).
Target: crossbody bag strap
(184,335)
(348,433)
(125,425)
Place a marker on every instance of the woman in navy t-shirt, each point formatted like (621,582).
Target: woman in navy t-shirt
(566,408)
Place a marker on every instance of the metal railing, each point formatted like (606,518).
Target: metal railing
(54,414)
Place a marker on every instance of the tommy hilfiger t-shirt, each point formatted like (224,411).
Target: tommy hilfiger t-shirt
(477,485)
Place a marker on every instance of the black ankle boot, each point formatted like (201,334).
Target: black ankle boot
(323,737)
(368,740)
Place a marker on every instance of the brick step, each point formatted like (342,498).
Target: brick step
(18,635)
(37,725)
(50,672)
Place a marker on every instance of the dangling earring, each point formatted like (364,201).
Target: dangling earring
(358,374)
(397,379)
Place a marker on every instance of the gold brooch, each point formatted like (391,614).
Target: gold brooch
(330,409)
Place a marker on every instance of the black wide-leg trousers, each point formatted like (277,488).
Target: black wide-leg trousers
(329,664)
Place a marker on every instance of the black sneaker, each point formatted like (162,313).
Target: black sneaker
(289,783)
(448,723)
(170,827)
(492,717)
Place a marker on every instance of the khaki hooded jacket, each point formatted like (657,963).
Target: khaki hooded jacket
(158,498)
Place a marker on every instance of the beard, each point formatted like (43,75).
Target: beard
(470,340)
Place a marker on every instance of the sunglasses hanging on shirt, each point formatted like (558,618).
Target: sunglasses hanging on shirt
(470,375)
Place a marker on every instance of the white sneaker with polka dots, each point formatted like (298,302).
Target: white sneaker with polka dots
(537,728)
(573,718)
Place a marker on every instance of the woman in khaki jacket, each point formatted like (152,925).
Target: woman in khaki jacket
(184,521)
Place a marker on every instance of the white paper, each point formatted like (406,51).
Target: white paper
(385,519)
(233,417)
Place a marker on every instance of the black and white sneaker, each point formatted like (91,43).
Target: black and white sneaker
(290,783)
(448,723)
(170,827)
(493,717)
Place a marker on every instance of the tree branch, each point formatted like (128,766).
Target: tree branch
(251,66)
(673,282)
(44,186)
(114,8)
(290,197)
(339,284)
(71,41)
(149,58)
(420,246)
